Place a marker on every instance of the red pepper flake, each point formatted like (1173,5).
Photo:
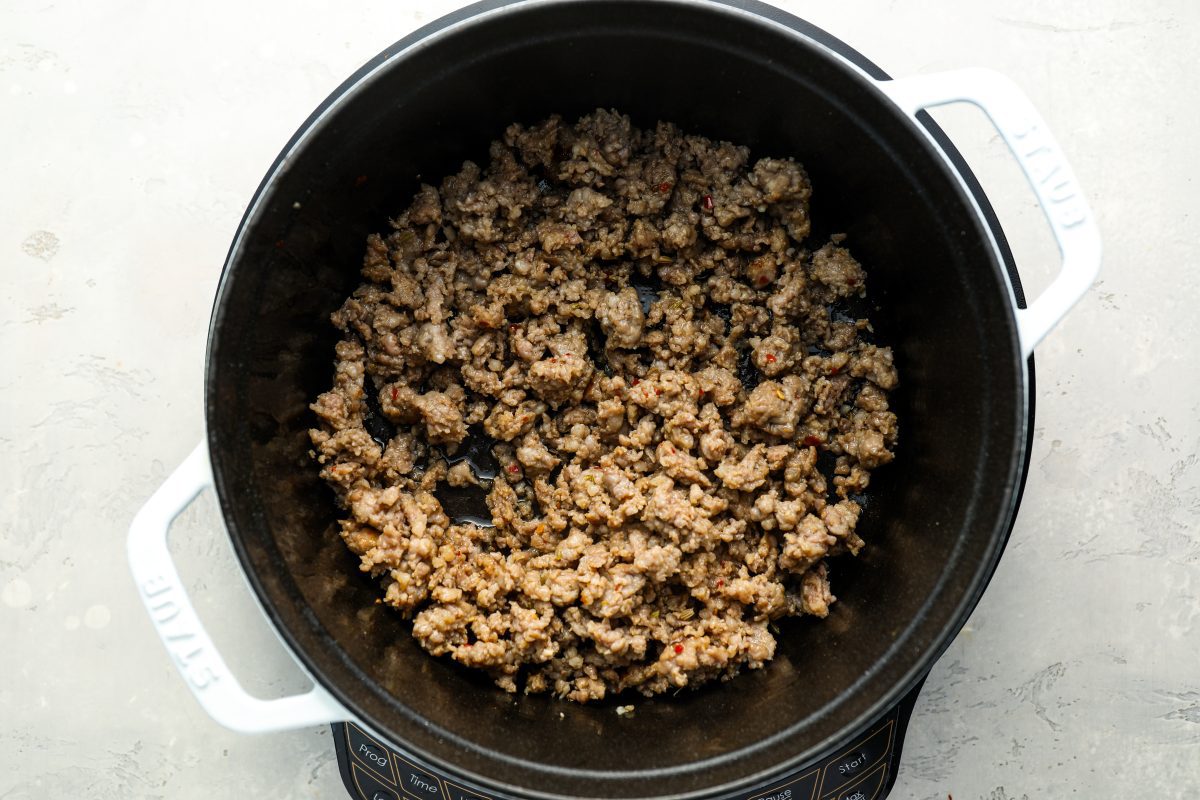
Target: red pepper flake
(762,280)
(678,649)
(658,392)
(771,358)
(811,441)
(664,187)
(635,382)
(466,644)
(395,393)
(513,468)
(835,370)
(279,244)
(708,203)
(852,281)
(670,450)
(360,180)
(720,582)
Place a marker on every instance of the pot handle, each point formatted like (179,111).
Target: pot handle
(1048,172)
(181,631)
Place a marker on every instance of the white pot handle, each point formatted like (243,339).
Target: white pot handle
(1046,169)
(180,629)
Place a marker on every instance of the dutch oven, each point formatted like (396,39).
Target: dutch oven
(882,172)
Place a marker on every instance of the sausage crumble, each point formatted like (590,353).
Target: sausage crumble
(621,339)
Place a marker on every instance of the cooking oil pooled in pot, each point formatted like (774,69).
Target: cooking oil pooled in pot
(468,504)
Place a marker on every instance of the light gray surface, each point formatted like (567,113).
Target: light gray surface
(132,135)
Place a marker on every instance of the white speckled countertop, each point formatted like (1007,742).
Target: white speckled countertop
(131,136)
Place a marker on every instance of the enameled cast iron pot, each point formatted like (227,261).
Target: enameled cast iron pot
(881,171)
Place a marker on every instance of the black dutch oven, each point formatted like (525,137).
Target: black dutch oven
(947,302)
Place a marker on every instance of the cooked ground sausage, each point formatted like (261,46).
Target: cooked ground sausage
(634,321)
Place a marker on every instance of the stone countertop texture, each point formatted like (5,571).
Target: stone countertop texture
(131,136)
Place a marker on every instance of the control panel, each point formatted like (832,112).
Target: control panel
(865,770)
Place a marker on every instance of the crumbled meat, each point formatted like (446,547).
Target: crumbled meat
(558,379)
(746,474)
(834,268)
(814,592)
(659,498)
(621,317)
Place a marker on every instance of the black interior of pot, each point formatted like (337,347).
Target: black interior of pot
(937,515)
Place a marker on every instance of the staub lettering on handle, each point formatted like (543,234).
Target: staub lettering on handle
(1046,169)
(181,639)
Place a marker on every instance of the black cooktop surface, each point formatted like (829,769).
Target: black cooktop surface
(865,770)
